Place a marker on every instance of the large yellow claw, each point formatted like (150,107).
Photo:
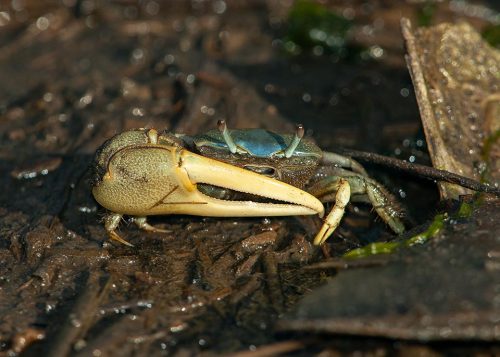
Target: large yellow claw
(148,178)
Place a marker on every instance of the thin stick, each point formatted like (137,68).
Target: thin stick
(80,318)
(273,349)
(421,170)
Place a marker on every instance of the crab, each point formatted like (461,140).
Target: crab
(230,173)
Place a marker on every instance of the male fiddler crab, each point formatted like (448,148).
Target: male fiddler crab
(230,173)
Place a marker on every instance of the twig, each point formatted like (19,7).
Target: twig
(273,282)
(272,349)
(421,170)
(81,317)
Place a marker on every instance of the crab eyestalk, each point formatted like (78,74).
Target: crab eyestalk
(221,125)
(299,134)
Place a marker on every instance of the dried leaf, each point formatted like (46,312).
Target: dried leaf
(457,82)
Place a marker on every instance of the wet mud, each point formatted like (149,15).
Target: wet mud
(75,74)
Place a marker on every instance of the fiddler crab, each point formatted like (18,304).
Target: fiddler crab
(230,173)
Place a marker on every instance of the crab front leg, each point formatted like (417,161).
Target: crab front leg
(362,189)
(342,191)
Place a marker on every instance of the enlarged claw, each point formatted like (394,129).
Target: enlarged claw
(153,179)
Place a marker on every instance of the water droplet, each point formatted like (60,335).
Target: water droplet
(190,78)
(86,209)
(137,55)
(152,8)
(85,100)
(405,92)
(74,321)
(42,23)
(269,88)
(17,5)
(317,34)
(219,7)
(376,51)
(367,30)
(318,50)
(169,59)
(138,112)
(334,100)
(47,97)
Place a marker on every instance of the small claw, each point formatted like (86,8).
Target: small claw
(142,223)
(332,221)
(114,236)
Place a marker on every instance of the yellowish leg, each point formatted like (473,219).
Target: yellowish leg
(111,222)
(142,223)
(332,221)
(363,189)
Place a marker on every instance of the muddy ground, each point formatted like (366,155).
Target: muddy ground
(74,73)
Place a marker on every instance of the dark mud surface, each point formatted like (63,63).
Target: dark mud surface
(73,75)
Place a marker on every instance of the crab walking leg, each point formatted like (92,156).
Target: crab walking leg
(363,189)
(331,158)
(142,223)
(379,200)
(111,222)
(366,189)
(332,221)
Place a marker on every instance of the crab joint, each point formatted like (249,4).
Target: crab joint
(299,134)
(221,125)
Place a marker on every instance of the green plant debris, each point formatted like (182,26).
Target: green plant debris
(373,249)
(492,35)
(390,247)
(426,13)
(465,210)
(435,227)
(312,27)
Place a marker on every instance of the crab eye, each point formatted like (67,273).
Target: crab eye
(262,170)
